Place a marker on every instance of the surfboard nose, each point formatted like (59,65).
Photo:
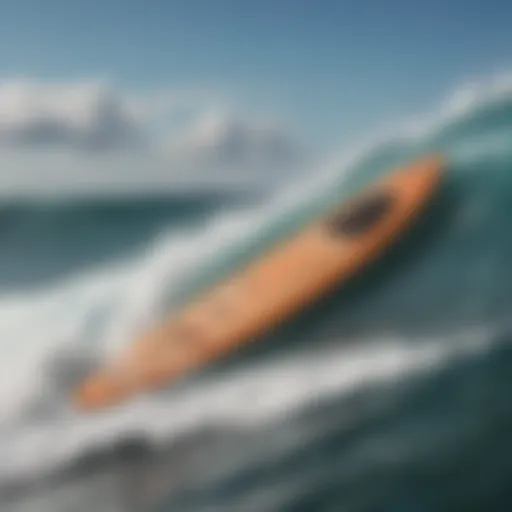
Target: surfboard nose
(426,173)
(418,181)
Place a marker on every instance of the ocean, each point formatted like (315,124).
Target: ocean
(389,395)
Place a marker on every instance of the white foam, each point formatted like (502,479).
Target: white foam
(265,393)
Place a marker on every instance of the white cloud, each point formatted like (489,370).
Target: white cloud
(86,117)
(229,143)
(62,135)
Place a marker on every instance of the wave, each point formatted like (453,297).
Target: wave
(452,279)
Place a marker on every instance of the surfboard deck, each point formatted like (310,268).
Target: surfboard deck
(293,275)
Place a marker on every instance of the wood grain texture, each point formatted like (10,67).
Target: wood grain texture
(268,291)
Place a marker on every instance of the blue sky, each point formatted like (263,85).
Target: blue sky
(333,70)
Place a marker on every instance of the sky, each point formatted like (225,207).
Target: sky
(100,90)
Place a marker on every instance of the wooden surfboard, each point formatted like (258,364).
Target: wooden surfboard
(293,275)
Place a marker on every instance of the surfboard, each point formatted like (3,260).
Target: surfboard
(292,275)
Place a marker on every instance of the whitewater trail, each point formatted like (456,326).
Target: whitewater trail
(242,399)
